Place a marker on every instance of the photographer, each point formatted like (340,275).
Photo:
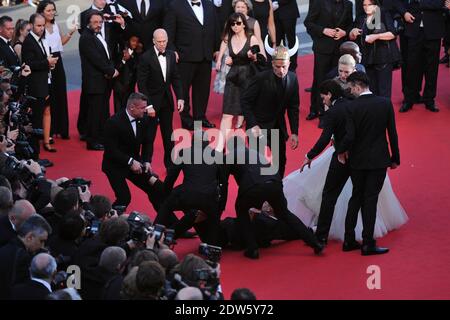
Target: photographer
(150,280)
(11,222)
(102,208)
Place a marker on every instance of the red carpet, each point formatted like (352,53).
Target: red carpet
(417,266)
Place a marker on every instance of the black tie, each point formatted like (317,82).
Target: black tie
(134,120)
(161,54)
(143,9)
(195,3)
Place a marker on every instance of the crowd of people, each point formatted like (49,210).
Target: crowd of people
(146,52)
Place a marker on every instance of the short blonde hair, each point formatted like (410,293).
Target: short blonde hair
(347,60)
(247,2)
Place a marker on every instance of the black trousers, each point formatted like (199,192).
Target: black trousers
(323,63)
(195,75)
(380,77)
(423,61)
(59,105)
(122,88)
(83,114)
(267,141)
(285,30)
(190,201)
(163,118)
(272,192)
(98,113)
(118,182)
(404,65)
(367,185)
(37,108)
(336,179)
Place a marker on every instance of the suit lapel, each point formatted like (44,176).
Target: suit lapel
(191,11)
(156,63)
(128,125)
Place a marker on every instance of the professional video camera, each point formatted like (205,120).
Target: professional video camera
(208,282)
(75,183)
(14,166)
(141,228)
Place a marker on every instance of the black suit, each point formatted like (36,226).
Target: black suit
(334,124)
(195,44)
(424,45)
(120,145)
(30,290)
(265,102)
(114,38)
(8,55)
(14,266)
(326,14)
(151,83)
(6,230)
(144,27)
(285,22)
(197,192)
(254,189)
(97,70)
(369,156)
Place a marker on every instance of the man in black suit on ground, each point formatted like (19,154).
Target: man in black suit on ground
(269,95)
(127,152)
(157,72)
(286,16)
(366,147)
(42,270)
(333,123)
(328,23)
(112,31)
(194,35)
(424,45)
(7,53)
(97,73)
(147,17)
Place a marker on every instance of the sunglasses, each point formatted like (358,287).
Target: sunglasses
(236,23)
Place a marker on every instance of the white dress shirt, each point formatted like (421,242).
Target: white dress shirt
(162,62)
(43,44)
(198,10)
(133,125)
(147,5)
(105,45)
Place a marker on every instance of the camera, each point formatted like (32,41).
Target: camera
(92,224)
(169,235)
(211,253)
(12,165)
(110,18)
(254,49)
(119,209)
(140,228)
(75,183)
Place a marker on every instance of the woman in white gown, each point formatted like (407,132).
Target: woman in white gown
(303,191)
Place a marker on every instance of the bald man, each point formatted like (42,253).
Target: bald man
(189,293)
(157,72)
(20,211)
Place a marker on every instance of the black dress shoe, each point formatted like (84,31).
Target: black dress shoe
(95,147)
(207,124)
(82,137)
(308,89)
(350,246)
(406,106)
(189,127)
(312,116)
(45,163)
(252,253)
(432,107)
(367,250)
(318,248)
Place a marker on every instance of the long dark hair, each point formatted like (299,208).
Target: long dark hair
(20,25)
(42,5)
(228,32)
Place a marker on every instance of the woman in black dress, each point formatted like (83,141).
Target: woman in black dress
(375,34)
(238,40)
(263,12)
(21,31)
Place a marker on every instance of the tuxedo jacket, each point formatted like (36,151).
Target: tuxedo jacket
(320,16)
(287,9)
(151,82)
(30,290)
(141,27)
(33,55)
(121,143)
(263,104)
(8,56)
(97,69)
(6,230)
(431,13)
(333,123)
(193,41)
(370,117)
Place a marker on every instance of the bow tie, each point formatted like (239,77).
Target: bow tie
(161,54)
(196,3)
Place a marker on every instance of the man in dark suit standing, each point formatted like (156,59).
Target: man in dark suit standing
(286,16)
(97,72)
(157,72)
(424,45)
(147,17)
(269,95)
(7,53)
(366,148)
(42,270)
(127,152)
(112,30)
(194,35)
(328,23)
(36,53)
(333,123)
